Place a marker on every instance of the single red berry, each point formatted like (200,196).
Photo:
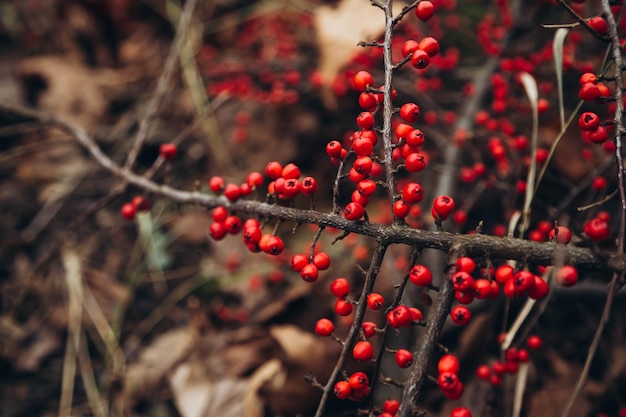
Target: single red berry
(353,211)
(462,281)
(424,10)
(167,151)
(333,149)
(299,261)
(420,59)
(309,273)
(252,235)
(442,207)
(128,211)
(416,314)
(324,327)
(412,193)
(369,329)
(321,260)
(539,290)
(401,209)
(232,224)
(563,236)
(504,273)
(291,171)
(358,380)
(254,179)
(359,394)
(588,92)
(291,188)
(366,187)
(598,24)
(409,47)
(588,121)
(271,244)
(599,183)
(402,130)
(365,120)
(460,412)
(534,342)
(421,276)
(340,287)
(483,289)
(522,355)
(274,170)
(587,77)
(448,381)
(375,301)
(309,186)
(216,184)
(597,135)
(362,80)
(464,297)
(391,407)
(410,112)
(232,192)
(466,264)
(415,162)
(456,393)
(359,198)
(362,146)
(415,139)
(363,351)
(363,165)
(343,308)
(499,367)
(460,315)
(567,276)
(367,101)
(429,45)
(404,358)
(342,390)
(597,230)
(483,372)
(449,363)
(217,231)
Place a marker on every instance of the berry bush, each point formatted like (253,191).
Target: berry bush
(463,180)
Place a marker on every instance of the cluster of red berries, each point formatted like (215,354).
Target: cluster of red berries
(448,379)
(356,388)
(512,359)
(589,122)
(309,267)
(597,228)
(137,204)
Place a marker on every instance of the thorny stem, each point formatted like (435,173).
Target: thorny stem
(618,276)
(368,285)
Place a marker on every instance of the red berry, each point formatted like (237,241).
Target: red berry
(309,273)
(365,120)
(353,211)
(375,301)
(415,162)
(421,276)
(324,327)
(424,10)
(420,59)
(597,230)
(415,139)
(271,244)
(167,151)
(391,407)
(567,276)
(340,287)
(412,193)
(333,149)
(342,390)
(232,224)
(599,183)
(404,358)
(343,308)
(216,184)
(363,351)
(358,380)
(409,47)
(462,281)
(309,186)
(399,317)
(563,236)
(504,273)
(362,79)
(448,381)
(588,92)
(460,412)
(588,121)
(429,45)
(367,101)
(598,24)
(449,363)
(401,209)
(534,342)
(466,264)
(410,112)
(366,187)
(442,207)
(597,135)
(254,179)
(483,372)
(321,260)
(217,231)
(232,192)
(369,329)
(274,170)
(291,171)
(362,146)
(539,290)
(460,315)
(299,261)
(128,211)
